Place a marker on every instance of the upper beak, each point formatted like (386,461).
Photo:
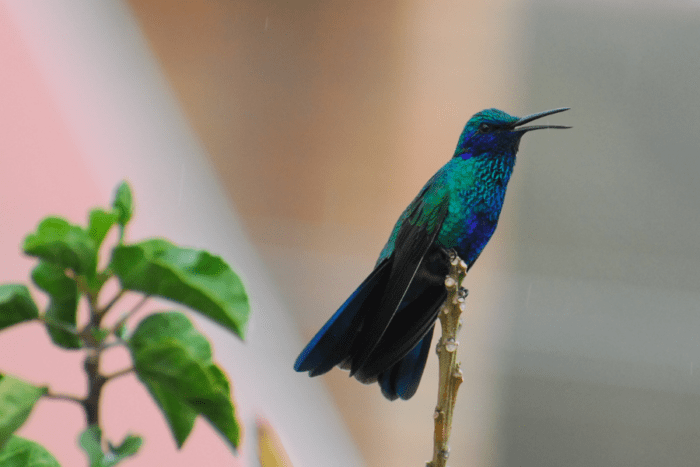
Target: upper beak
(532,117)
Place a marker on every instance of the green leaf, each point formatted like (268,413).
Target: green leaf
(194,278)
(160,327)
(66,245)
(20,452)
(122,332)
(123,203)
(16,305)
(179,415)
(91,442)
(17,399)
(99,223)
(175,362)
(99,334)
(63,302)
(128,447)
(220,378)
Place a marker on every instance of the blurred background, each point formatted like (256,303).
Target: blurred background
(322,120)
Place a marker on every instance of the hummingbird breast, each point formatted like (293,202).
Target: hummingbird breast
(477,189)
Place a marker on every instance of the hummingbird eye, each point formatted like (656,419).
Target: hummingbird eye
(485,128)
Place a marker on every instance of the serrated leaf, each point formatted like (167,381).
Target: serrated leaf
(123,203)
(20,452)
(179,415)
(66,245)
(194,278)
(91,442)
(220,378)
(17,398)
(63,302)
(99,223)
(191,383)
(174,361)
(171,324)
(154,329)
(16,305)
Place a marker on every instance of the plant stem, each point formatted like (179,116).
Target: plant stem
(96,381)
(95,347)
(450,373)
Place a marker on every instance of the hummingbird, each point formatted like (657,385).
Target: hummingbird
(382,333)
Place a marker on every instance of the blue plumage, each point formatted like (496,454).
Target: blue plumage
(382,333)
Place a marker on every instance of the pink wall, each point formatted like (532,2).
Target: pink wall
(83,106)
(44,172)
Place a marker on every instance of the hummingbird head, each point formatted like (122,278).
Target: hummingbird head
(495,132)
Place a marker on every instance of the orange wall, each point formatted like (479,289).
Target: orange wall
(323,120)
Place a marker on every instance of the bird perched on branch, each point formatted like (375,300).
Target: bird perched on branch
(382,332)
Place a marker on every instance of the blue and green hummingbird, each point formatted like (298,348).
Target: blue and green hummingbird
(382,332)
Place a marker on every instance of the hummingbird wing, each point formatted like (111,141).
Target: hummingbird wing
(383,330)
(405,285)
(331,344)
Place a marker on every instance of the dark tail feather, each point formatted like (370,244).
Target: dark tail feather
(405,332)
(414,319)
(331,345)
(402,379)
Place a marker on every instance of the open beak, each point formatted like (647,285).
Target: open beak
(532,117)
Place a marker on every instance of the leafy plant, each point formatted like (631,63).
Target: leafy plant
(170,357)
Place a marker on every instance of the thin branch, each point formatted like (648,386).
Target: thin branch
(114,343)
(119,373)
(112,302)
(129,314)
(65,397)
(450,373)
